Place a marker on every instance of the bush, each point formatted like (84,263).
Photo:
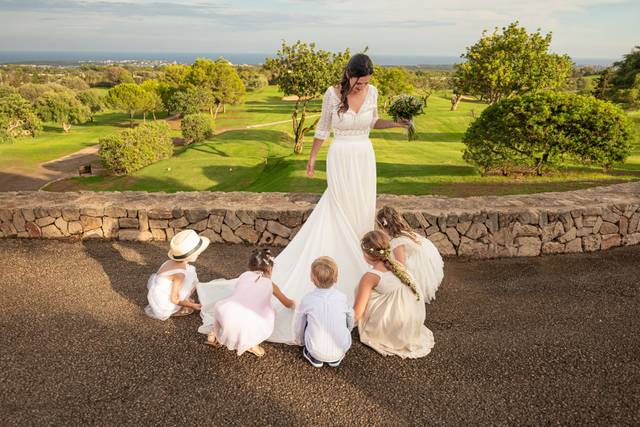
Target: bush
(196,127)
(133,149)
(533,133)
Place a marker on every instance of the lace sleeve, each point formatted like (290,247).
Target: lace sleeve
(374,99)
(323,128)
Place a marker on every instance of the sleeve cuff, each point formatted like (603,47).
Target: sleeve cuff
(321,134)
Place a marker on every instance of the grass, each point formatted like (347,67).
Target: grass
(261,159)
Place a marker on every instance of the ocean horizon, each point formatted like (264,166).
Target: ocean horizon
(71,58)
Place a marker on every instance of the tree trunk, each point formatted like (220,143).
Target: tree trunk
(66,127)
(215,114)
(298,133)
(144,117)
(131,119)
(154,115)
(455,101)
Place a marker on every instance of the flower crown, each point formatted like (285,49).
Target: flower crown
(385,252)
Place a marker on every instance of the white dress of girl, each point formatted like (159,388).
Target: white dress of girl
(159,296)
(423,261)
(345,212)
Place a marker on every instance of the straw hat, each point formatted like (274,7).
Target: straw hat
(187,245)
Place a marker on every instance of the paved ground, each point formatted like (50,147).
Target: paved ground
(63,167)
(551,340)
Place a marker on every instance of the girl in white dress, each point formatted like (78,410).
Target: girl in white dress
(346,210)
(389,307)
(417,253)
(171,287)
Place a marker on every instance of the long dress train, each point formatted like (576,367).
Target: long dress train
(345,212)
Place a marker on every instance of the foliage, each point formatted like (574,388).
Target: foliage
(621,82)
(127,97)
(219,78)
(133,149)
(508,63)
(626,70)
(119,75)
(93,100)
(17,117)
(196,127)
(74,83)
(305,72)
(153,100)
(392,81)
(407,107)
(191,100)
(33,91)
(63,108)
(534,132)
(252,78)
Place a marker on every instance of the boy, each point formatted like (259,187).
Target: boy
(324,319)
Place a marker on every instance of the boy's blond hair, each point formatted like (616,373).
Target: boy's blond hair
(324,272)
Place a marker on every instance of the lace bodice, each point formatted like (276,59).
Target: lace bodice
(349,123)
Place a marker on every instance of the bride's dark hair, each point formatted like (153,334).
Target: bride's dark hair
(359,65)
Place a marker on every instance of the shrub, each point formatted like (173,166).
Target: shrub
(133,149)
(533,133)
(196,127)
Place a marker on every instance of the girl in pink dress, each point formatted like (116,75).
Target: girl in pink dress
(245,319)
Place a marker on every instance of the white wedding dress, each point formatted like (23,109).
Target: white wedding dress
(345,212)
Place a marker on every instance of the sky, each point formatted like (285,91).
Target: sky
(581,28)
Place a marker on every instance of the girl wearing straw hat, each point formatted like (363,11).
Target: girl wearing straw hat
(171,287)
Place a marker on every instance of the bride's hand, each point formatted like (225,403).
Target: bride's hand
(404,123)
(311,166)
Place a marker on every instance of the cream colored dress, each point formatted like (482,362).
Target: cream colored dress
(423,261)
(393,320)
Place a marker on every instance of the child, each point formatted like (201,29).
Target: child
(171,287)
(420,257)
(389,308)
(245,319)
(324,320)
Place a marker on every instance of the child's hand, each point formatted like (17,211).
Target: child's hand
(196,306)
(291,305)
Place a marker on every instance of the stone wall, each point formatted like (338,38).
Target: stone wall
(526,225)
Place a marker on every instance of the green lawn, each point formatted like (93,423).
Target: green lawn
(261,159)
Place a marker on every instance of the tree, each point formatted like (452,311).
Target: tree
(118,75)
(534,132)
(220,79)
(74,83)
(305,72)
(508,63)
(93,100)
(252,78)
(153,101)
(128,97)
(391,82)
(17,117)
(191,100)
(625,71)
(196,127)
(33,91)
(63,108)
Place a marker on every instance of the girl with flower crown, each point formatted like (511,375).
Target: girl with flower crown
(389,308)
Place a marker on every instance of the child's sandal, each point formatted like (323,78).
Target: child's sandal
(212,341)
(257,351)
(184,311)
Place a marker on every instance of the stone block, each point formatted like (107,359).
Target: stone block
(182,222)
(128,222)
(574,246)
(590,221)
(90,222)
(74,227)
(55,212)
(552,231)
(528,246)
(28,215)
(278,229)
(279,241)
(215,222)
(38,212)
(62,226)
(597,225)
(584,231)
(553,248)
(462,227)
(591,243)
(71,214)
(232,220)
(260,225)
(8,229)
(115,212)
(266,239)
(200,225)
(453,236)
(623,225)
(143,221)
(158,223)
(132,213)
(492,222)
(159,213)
(178,213)
(568,236)
(228,236)
(432,230)
(526,230)
(18,221)
(270,214)
(248,234)
(634,221)
(110,227)
(410,218)
(476,231)
(631,239)
(248,217)
(44,221)
(208,233)
(32,229)
(93,234)
(610,241)
(609,228)
(92,211)
(51,232)
(290,219)
(472,248)
(610,216)
(567,220)
(195,215)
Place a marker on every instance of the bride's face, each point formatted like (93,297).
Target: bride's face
(358,83)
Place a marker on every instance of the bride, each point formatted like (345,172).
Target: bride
(346,210)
